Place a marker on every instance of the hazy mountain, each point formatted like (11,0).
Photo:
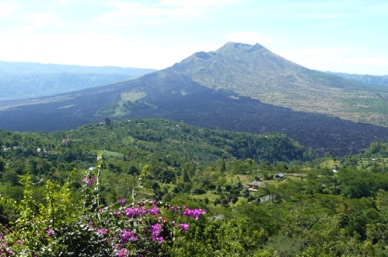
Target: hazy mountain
(369,79)
(256,72)
(219,90)
(27,80)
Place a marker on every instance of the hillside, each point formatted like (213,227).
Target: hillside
(196,91)
(153,139)
(256,72)
(20,80)
(197,185)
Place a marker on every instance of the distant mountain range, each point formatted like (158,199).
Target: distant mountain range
(369,79)
(239,87)
(20,80)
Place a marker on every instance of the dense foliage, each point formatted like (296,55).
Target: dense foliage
(159,178)
(59,227)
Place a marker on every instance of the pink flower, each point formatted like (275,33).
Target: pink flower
(123,253)
(135,212)
(127,235)
(88,180)
(194,212)
(184,227)
(153,211)
(156,231)
(102,231)
(122,200)
(50,232)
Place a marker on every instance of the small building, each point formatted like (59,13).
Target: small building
(66,141)
(256,185)
(267,198)
(280,175)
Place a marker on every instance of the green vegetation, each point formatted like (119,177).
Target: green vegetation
(57,201)
(369,108)
(123,108)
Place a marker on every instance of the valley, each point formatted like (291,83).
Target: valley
(77,189)
(195,128)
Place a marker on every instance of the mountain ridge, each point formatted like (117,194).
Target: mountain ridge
(260,74)
(178,93)
(23,80)
(381,80)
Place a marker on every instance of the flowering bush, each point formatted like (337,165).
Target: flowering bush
(127,228)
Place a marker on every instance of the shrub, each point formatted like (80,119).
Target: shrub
(58,227)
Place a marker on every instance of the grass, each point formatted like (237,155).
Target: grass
(209,195)
(113,155)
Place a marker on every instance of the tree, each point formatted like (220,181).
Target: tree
(107,121)
(2,165)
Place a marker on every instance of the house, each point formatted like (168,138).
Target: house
(280,175)
(253,186)
(66,141)
(267,198)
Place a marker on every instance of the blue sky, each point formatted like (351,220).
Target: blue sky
(334,35)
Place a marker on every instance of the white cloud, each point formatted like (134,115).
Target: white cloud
(7,9)
(128,13)
(32,23)
(63,2)
(39,20)
(94,49)
(196,3)
(317,57)
(338,59)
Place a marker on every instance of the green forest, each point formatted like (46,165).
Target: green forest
(155,187)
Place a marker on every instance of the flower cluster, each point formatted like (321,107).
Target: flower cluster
(89,180)
(122,253)
(5,250)
(128,235)
(194,212)
(102,231)
(184,227)
(50,232)
(156,231)
(124,229)
(140,224)
(187,211)
(121,230)
(135,212)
